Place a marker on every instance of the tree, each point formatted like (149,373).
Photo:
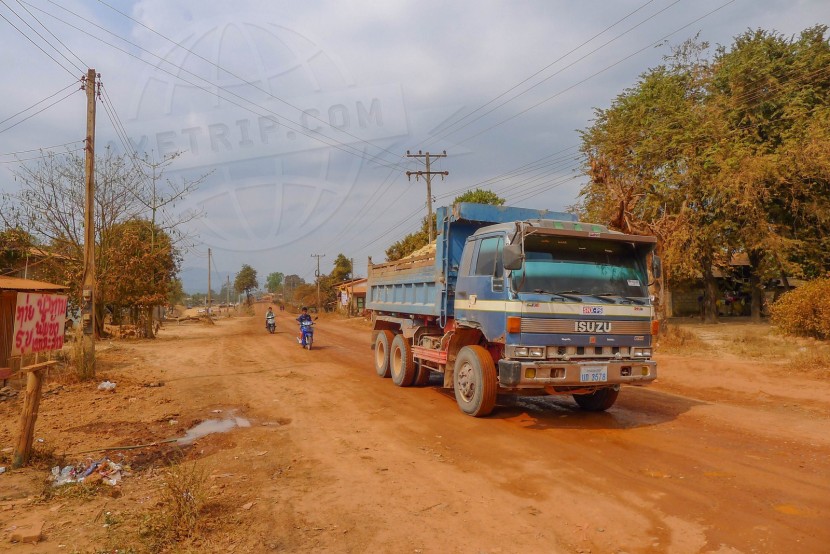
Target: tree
(711,156)
(14,244)
(273,282)
(148,270)
(246,281)
(342,269)
(50,205)
(414,241)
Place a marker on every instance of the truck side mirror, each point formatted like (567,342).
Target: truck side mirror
(512,256)
(656,266)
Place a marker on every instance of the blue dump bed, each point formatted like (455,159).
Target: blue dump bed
(425,284)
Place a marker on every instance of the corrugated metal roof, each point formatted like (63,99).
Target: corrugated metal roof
(15,283)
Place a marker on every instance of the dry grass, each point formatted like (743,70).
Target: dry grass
(812,362)
(678,340)
(183,495)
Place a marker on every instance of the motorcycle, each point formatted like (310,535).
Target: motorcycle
(270,324)
(306,334)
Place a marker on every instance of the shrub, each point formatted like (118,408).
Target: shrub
(804,311)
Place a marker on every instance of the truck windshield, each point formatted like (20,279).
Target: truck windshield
(583,266)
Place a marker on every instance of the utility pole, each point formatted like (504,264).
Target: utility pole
(428,178)
(317,275)
(88,290)
(228,294)
(207,309)
(351,296)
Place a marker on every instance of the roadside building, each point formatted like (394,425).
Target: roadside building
(351,297)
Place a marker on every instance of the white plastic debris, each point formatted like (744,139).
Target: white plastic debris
(106,385)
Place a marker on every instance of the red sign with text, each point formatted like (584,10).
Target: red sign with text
(38,323)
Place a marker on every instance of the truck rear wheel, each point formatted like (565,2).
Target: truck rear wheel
(383,344)
(598,401)
(475,381)
(401,363)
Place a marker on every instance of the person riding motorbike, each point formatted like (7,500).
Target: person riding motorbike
(303,318)
(269,318)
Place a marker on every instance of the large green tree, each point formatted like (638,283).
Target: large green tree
(700,152)
(246,281)
(273,282)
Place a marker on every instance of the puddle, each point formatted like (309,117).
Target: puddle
(210,426)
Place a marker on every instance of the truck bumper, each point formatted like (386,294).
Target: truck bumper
(538,374)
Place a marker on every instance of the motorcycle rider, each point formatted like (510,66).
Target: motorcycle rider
(269,317)
(303,317)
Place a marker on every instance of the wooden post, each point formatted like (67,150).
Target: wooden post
(31,403)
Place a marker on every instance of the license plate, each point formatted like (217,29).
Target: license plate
(593,374)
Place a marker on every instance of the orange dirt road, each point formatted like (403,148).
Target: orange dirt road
(719,455)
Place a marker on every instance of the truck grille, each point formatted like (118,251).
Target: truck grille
(570,326)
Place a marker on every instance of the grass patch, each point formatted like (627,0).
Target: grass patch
(812,362)
(182,498)
(678,340)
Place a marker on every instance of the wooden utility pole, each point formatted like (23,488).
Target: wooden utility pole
(351,296)
(88,289)
(428,178)
(317,275)
(228,294)
(207,309)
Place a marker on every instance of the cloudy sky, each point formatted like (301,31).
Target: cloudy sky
(300,114)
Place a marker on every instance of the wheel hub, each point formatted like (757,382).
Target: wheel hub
(466,382)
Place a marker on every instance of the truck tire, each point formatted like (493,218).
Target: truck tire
(421,375)
(401,364)
(598,401)
(475,381)
(383,344)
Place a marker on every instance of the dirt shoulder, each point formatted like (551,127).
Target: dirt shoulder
(311,451)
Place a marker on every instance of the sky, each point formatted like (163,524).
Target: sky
(296,117)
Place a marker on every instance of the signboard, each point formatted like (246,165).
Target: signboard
(344,298)
(38,323)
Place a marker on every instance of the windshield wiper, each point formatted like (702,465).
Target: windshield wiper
(570,294)
(629,298)
(564,294)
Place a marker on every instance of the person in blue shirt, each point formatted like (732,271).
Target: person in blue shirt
(303,317)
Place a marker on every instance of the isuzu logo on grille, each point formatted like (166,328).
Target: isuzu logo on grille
(592,326)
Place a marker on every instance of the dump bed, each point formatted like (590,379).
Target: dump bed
(424,284)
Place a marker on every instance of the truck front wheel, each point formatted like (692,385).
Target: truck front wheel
(383,344)
(475,381)
(401,363)
(598,401)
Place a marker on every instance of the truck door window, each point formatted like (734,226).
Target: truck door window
(489,260)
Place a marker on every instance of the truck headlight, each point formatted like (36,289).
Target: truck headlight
(641,352)
(536,351)
(520,352)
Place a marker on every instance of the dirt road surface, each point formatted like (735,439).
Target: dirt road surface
(719,455)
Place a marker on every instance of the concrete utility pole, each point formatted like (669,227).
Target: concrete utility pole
(88,290)
(228,294)
(207,309)
(351,296)
(428,178)
(317,275)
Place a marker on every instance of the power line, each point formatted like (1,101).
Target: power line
(298,128)
(643,49)
(40,101)
(38,112)
(33,42)
(40,149)
(446,132)
(43,156)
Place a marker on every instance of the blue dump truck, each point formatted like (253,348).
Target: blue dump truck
(517,301)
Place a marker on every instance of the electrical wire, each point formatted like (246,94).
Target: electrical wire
(33,42)
(38,112)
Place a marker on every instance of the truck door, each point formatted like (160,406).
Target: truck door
(480,291)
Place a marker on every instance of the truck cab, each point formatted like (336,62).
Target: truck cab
(571,311)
